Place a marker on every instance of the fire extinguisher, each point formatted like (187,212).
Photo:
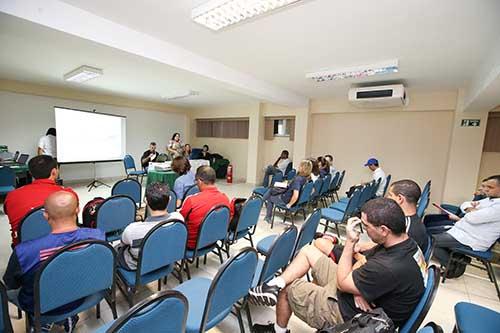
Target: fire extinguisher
(229,174)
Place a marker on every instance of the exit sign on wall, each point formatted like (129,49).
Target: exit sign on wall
(470,122)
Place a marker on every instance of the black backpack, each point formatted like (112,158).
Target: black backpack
(89,212)
(375,321)
(236,208)
(457,266)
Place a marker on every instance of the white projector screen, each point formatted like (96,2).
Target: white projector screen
(84,136)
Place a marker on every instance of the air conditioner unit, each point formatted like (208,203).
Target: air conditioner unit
(379,97)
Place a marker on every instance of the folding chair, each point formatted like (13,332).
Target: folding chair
(33,225)
(114,214)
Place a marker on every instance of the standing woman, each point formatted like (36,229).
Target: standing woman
(47,143)
(174,147)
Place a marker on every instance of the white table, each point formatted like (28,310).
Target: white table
(165,166)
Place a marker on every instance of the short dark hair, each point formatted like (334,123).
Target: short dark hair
(384,211)
(206,146)
(315,166)
(206,174)
(181,165)
(494,177)
(408,189)
(285,152)
(329,156)
(157,195)
(152,143)
(41,166)
(173,136)
(51,131)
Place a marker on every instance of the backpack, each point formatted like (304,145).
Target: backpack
(375,321)
(457,266)
(236,206)
(89,212)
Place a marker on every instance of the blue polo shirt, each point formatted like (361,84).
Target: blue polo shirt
(182,183)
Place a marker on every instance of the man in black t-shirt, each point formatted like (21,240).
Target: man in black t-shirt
(391,278)
(149,155)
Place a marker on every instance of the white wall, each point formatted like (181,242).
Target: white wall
(25,118)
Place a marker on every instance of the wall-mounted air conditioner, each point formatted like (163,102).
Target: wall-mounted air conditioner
(388,96)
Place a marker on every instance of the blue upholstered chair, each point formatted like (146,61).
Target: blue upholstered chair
(130,170)
(5,324)
(430,249)
(193,189)
(339,185)
(172,202)
(114,214)
(33,225)
(424,200)
(337,216)
(83,270)
(130,187)
(299,206)
(387,183)
(291,174)
(160,249)
(423,306)
(431,327)
(472,318)
(261,190)
(211,237)
(163,312)
(316,192)
(247,222)
(323,192)
(7,180)
(211,301)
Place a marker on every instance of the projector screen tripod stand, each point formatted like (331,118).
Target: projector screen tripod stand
(96,183)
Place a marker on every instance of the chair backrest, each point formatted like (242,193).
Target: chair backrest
(277,177)
(353,202)
(163,312)
(128,163)
(430,249)
(193,189)
(308,230)
(250,212)
(423,306)
(5,324)
(289,168)
(115,213)
(231,283)
(366,194)
(317,185)
(291,174)
(427,187)
(387,183)
(163,245)
(326,184)
(172,202)
(76,271)
(33,225)
(214,226)
(279,253)
(334,181)
(7,176)
(305,194)
(341,180)
(130,187)
(423,203)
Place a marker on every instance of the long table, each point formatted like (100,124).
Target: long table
(160,172)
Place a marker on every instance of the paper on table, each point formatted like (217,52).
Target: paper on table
(280,184)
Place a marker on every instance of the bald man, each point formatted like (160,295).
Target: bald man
(61,210)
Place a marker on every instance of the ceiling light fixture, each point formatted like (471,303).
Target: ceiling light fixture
(385,67)
(182,94)
(218,14)
(82,74)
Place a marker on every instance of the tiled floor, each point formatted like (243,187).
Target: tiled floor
(467,288)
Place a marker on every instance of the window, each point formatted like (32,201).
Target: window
(279,127)
(234,128)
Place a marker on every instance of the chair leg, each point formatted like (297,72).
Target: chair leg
(327,223)
(249,316)
(197,262)
(488,266)
(188,273)
(337,229)
(272,217)
(227,250)
(219,252)
(159,284)
(446,268)
(205,259)
(19,313)
(250,239)
(98,311)
(240,319)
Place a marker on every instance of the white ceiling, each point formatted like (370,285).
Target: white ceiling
(439,44)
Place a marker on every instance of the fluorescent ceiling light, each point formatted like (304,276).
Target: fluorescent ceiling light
(82,74)
(181,94)
(385,67)
(218,14)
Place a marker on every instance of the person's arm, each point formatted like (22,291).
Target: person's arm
(293,199)
(40,151)
(345,280)
(187,206)
(277,161)
(482,216)
(145,158)
(13,273)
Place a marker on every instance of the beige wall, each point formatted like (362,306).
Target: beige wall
(490,165)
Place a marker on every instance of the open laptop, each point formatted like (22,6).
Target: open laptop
(23,158)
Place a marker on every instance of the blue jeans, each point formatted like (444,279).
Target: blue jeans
(270,171)
(272,200)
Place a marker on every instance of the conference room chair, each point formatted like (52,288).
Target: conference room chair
(473,318)
(5,324)
(114,214)
(130,187)
(247,223)
(316,192)
(33,225)
(424,200)
(423,306)
(130,169)
(430,249)
(172,202)
(291,174)
(261,190)
(367,193)
(288,169)
(83,270)
(299,206)
(193,189)
(333,185)
(163,312)
(431,327)
(387,183)
(339,184)
(211,236)
(211,301)
(323,192)
(161,248)
(305,236)
(7,180)
(485,257)
(337,216)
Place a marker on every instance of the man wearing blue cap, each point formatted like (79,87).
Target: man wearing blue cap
(378,173)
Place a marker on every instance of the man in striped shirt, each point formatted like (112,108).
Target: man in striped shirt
(61,210)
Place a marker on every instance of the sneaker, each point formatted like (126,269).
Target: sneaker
(70,324)
(45,328)
(269,328)
(268,220)
(264,295)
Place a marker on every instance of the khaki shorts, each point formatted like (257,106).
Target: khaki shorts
(316,303)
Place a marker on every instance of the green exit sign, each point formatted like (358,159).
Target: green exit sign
(470,122)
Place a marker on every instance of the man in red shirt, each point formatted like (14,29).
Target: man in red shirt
(19,202)
(196,206)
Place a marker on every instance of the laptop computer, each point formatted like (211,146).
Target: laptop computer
(23,158)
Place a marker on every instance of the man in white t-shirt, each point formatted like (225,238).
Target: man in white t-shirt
(157,197)
(377,174)
(279,166)
(47,143)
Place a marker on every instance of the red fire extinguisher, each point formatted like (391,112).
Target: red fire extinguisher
(229,174)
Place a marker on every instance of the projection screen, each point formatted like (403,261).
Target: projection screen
(84,136)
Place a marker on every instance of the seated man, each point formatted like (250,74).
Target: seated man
(20,201)
(478,229)
(196,206)
(157,197)
(149,155)
(377,173)
(279,166)
(61,210)
(392,277)
(406,193)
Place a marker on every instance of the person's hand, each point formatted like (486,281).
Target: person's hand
(351,232)
(362,304)
(288,206)
(357,248)
(473,207)
(453,217)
